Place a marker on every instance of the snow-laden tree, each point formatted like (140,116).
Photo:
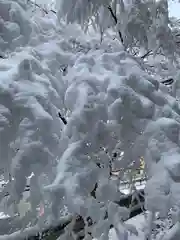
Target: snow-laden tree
(138,23)
(68,106)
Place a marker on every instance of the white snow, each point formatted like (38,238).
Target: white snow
(110,103)
(138,186)
(138,222)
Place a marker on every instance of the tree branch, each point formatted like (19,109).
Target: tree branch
(43,9)
(146,54)
(168,81)
(62,118)
(116,22)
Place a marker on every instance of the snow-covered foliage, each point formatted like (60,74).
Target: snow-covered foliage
(109,103)
(138,23)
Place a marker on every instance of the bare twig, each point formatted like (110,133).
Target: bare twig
(116,22)
(40,7)
(146,54)
(168,81)
(62,118)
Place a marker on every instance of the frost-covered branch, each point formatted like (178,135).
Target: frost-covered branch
(112,105)
(31,232)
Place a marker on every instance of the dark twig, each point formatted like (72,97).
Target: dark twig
(146,54)
(43,9)
(116,22)
(62,118)
(168,81)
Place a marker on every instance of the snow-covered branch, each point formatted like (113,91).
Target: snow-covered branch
(105,111)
